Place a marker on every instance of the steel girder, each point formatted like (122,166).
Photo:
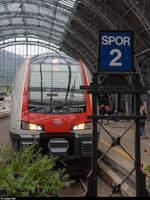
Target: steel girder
(36,43)
(30,28)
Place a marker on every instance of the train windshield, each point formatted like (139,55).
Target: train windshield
(55,88)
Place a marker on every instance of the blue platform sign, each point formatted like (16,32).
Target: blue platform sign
(115,51)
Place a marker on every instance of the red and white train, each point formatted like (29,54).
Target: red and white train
(49,107)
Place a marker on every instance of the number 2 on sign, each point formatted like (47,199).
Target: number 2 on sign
(116,58)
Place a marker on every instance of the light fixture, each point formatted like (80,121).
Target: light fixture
(31,126)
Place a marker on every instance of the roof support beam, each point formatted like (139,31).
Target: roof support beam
(100,13)
(33,15)
(36,36)
(48,46)
(77,38)
(7,13)
(139,15)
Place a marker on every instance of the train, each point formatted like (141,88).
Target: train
(49,107)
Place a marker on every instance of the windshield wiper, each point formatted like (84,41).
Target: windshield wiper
(52,95)
(41,83)
(69,82)
(73,89)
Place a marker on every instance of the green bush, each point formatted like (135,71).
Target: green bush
(146,171)
(147,174)
(30,174)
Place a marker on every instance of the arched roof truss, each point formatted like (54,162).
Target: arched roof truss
(47,18)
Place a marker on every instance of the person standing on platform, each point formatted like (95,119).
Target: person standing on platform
(142,123)
(102,110)
(116,114)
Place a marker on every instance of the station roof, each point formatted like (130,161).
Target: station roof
(72,26)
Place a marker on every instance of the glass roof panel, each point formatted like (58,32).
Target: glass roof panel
(50,18)
(6,32)
(16,20)
(30,8)
(67,3)
(55,27)
(2,9)
(46,25)
(4,21)
(20,31)
(12,6)
(54,32)
(61,17)
(55,37)
(46,11)
(31,21)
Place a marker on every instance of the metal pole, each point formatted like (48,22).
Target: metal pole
(137,149)
(94,147)
(137,143)
(92,177)
(141,190)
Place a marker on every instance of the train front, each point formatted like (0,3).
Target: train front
(54,109)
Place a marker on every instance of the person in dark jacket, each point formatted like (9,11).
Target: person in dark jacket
(102,110)
(142,124)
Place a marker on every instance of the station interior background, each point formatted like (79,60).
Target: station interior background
(28,28)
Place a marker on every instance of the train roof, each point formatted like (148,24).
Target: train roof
(53,57)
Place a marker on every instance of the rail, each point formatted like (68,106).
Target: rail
(5,107)
(113,173)
(4,113)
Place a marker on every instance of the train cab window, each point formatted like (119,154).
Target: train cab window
(55,88)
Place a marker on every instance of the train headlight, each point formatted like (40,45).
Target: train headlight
(82,126)
(31,126)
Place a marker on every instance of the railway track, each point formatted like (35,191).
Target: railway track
(79,188)
(109,173)
(4,113)
(84,182)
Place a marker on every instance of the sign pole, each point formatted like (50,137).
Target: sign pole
(92,177)
(94,147)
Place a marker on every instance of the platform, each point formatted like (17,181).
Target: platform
(118,157)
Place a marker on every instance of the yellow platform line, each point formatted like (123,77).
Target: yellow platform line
(118,150)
